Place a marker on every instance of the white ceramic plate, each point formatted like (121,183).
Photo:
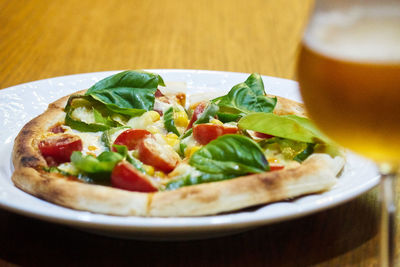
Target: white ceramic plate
(19,104)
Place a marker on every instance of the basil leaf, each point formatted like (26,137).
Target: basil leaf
(186,134)
(287,126)
(105,162)
(193,180)
(244,98)
(305,153)
(99,118)
(107,134)
(226,117)
(255,83)
(128,78)
(123,150)
(129,92)
(83,126)
(209,112)
(230,154)
(101,122)
(169,123)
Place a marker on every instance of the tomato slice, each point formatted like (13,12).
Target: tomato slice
(161,157)
(276,167)
(125,176)
(196,113)
(205,133)
(131,138)
(158,93)
(263,135)
(58,148)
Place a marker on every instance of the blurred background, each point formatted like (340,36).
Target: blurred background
(46,38)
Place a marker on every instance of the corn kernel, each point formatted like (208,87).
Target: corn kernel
(215,121)
(153,129)
(181,119)
(273,160)
(159,174)
(91,154)
(190,151)
(171,139)
(92,148)
(153,115)
(148,169)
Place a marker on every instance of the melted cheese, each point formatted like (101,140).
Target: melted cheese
(83,114)
(89,139)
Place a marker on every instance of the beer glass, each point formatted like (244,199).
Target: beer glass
(349,77)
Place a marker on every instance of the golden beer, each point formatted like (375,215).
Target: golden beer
(349,76)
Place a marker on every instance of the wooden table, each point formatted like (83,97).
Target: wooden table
(45,38)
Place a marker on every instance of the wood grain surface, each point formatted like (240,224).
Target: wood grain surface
(46,38)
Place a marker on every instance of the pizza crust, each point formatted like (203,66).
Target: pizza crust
(317,173)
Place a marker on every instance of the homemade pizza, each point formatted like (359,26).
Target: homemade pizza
(129,146)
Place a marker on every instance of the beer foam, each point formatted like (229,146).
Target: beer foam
(368,33)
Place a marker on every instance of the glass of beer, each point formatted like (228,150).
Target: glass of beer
(349,76)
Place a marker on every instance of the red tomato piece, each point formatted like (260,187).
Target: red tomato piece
(276,167)
(196,113)
(161,157)
(263,135)
(131,138)
(230,129)
(57,129)
(205,133)
(125,176)
(158,93)
(58,148)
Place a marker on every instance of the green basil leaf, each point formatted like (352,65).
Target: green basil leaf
(99,118)
(305,153)
(242,100)
(105,162)
(129,79)
(287,126)
(255,83)
(101,122)
(230,154)
(123,150)
(169,123)
(209,112)
(106,136)
(186,134)
(245,98)
(226,117)
(83,126)
(129,92)
(193,180)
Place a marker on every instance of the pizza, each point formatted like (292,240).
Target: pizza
(131,146)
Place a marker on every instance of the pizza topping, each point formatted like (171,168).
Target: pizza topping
(204,133)
(131,138)
(199,109)
(142,127)
(130,92)
(286,126)
(125,176)
(276,167)
(169,122)
(245,98)
(156,152)
(58,148)
(145,120)
(57,129)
